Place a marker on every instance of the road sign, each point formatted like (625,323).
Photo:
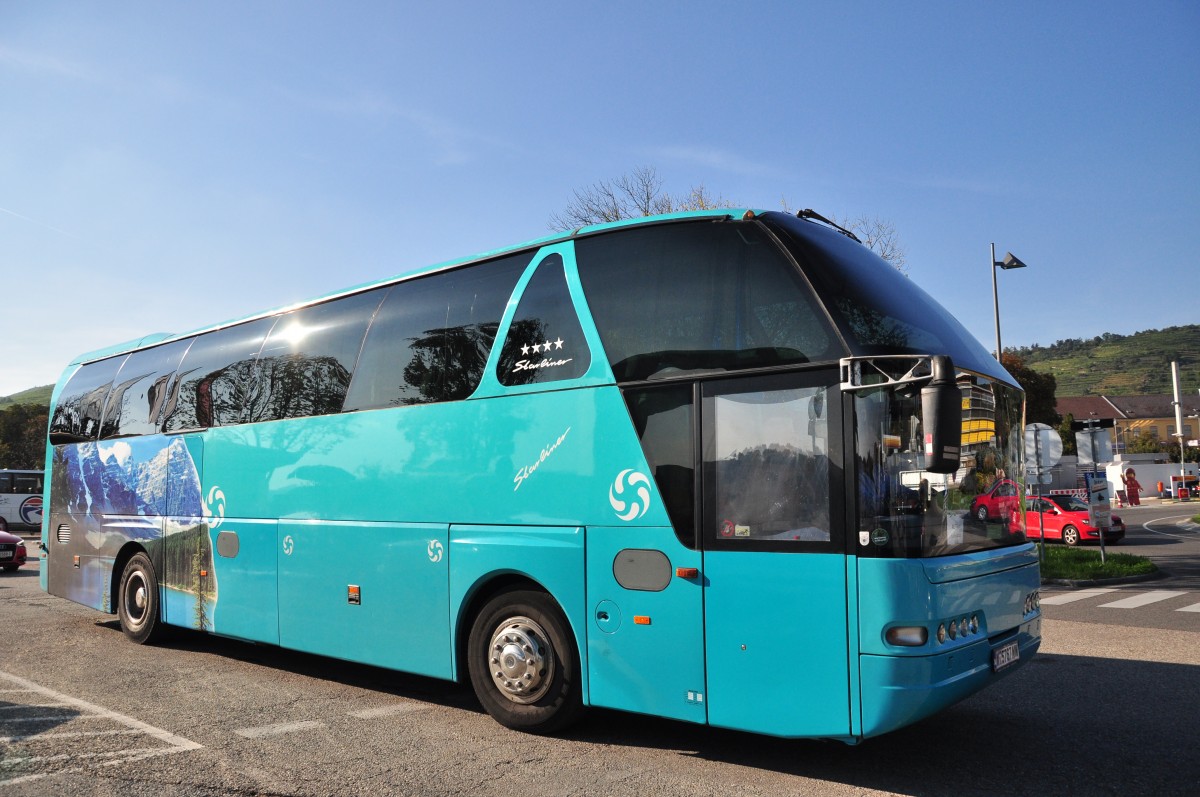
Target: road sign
(1098,423)
(1099,501)
(1093,447)
(1043,447)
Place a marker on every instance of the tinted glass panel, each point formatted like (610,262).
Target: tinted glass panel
(767,464)
(81,404)
(699,296)
(305,365)
(545,342)
(215,382)
(663,418)
(880,310)
(140,390)
(432,336)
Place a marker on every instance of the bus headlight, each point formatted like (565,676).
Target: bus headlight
(912,636)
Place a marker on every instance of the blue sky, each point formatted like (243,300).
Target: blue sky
(164,166)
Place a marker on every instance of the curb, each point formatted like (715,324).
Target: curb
(1105,582)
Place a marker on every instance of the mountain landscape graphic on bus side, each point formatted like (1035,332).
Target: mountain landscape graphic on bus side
(128,478)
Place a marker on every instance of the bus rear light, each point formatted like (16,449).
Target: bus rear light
(941,633)
(912,636)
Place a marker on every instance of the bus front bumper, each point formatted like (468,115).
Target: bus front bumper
(899,690)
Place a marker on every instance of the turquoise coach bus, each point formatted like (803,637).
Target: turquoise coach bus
(652,466)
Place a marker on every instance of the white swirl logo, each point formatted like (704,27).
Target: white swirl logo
(435,550)
(214,507)
(640,483)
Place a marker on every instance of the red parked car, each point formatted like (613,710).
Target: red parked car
(1001,502)
(12,551)
(1065,517)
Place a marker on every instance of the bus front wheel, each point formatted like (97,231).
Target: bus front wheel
(523,663)
(137,600)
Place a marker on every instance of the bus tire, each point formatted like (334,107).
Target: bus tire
(523,663)
(137,600)
(1070,535)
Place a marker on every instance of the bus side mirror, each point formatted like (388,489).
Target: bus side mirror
(941,418)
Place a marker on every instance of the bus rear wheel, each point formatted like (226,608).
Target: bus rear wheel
(523,663)
(137,600)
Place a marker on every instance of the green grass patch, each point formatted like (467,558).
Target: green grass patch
(1077,564)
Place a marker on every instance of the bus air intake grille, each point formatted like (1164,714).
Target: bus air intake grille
(63,533)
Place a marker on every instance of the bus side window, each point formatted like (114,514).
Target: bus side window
(135,404)
(215,379)
(545,341)
(6,483)
(306,363)
(431,337)
(665,422)
(80,407)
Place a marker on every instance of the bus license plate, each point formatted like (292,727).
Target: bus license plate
(1006,655)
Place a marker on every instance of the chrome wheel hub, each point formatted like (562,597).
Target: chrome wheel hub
(521,660)
(135,604)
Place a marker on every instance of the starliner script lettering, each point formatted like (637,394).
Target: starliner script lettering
(525,365)
(527,471)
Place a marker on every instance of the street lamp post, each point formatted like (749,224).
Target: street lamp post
(1010,261)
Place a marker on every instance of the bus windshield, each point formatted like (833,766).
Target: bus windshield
(906,511)
(878,309)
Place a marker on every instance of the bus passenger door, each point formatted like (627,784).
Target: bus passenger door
(646,623)
(774,564)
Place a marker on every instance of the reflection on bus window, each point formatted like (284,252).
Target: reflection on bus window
(770,456)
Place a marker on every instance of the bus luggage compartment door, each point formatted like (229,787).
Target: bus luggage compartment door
(646,623)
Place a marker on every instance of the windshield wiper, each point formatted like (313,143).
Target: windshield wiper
(809,213)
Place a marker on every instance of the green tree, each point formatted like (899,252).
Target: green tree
(1067,435)
(1039,391)
(1142,443)
(23,436)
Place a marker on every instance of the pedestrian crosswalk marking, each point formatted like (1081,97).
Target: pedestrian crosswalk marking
(1071,597)
(1145,599)
(1130,601)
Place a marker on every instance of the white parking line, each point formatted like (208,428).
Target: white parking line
(278,728)
(387,711)
(1145,599)
(90,711)
(1071,597)
(1195,607)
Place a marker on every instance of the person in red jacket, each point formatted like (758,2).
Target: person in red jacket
(1132,487)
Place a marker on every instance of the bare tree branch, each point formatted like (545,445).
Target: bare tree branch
(630,196)
(640,193)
